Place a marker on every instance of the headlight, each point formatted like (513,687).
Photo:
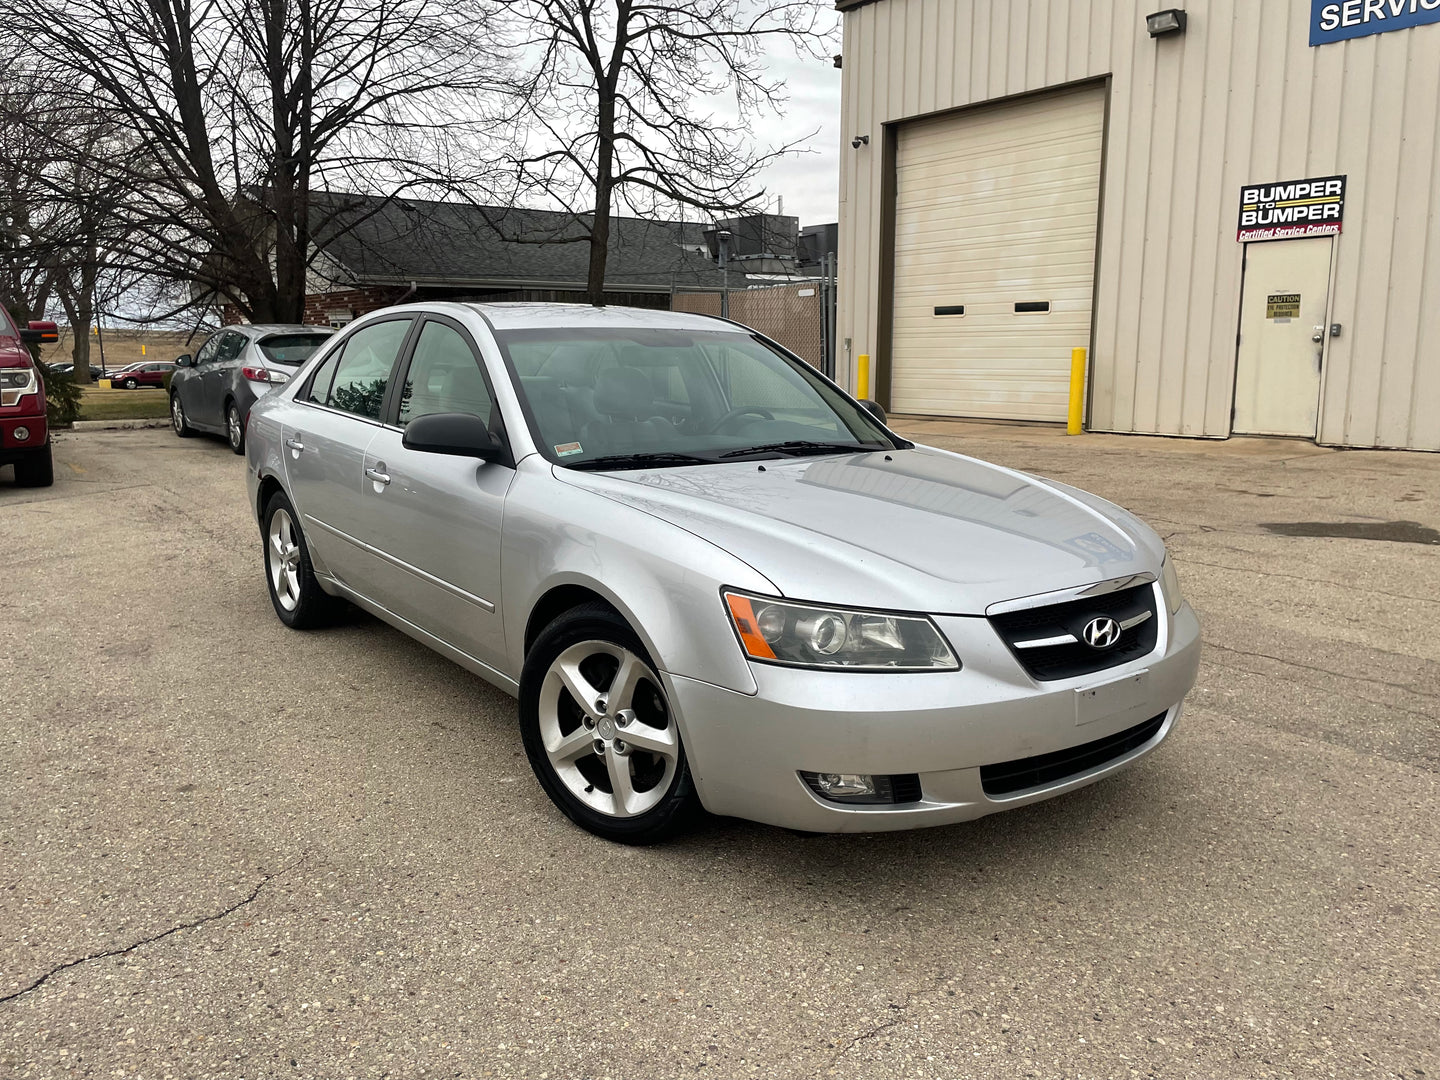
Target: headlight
(1170,585)
(779,632)
(20,379)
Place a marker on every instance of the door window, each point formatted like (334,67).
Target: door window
(208,350)
(232,344)
(444,377)
(364,368)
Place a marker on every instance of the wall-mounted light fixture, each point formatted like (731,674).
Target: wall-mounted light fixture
(859,141)
(1169,21)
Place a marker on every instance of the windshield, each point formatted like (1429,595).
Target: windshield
(668,397)
(291,349)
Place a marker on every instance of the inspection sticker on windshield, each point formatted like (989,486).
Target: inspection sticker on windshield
(567,449)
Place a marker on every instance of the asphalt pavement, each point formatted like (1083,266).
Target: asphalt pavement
(232,850)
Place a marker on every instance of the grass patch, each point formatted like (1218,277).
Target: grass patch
(98,404)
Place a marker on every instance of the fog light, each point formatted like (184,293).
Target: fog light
(20,433)
(844,784)
(864,789)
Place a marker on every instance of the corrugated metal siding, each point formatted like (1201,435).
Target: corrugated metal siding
(1240,98)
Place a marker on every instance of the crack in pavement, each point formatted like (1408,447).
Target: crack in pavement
(1312,580)
(867,1035)
(1405,687)
(254,893)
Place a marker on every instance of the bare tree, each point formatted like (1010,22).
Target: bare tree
(60,207)
(615,104)
(229,113)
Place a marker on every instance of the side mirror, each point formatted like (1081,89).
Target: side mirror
(458,434)
(185,360)
(40,333)
(875,409)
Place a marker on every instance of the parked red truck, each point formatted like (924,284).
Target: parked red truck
(24,436)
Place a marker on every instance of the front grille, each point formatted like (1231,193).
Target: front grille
(1074,658)
(1046,769)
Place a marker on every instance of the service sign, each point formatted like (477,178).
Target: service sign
(1336,20)
(1291,209)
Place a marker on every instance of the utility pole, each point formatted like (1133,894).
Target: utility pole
(722,240)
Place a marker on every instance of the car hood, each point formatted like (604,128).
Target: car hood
(921,529)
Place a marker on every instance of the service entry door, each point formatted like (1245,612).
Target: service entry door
(1283,333)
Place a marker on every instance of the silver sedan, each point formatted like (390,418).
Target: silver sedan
(712,578)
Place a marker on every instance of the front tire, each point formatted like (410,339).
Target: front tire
(177,418)
(131,384)
(234,428)
(294,591)
(600,733)
(37,470)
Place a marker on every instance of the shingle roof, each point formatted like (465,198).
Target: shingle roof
(388,240)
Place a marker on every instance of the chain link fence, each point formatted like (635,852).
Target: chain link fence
(793,314)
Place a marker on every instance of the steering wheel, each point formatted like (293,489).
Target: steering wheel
(744,410)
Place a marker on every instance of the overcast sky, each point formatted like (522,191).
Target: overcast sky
(809,183)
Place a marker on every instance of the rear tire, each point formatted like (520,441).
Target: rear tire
(234,428)
(177,418)
(37,470)
(295,593)
(589,682)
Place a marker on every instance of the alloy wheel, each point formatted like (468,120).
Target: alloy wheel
(606,729)
(282,557)
(177,414)
(234,428)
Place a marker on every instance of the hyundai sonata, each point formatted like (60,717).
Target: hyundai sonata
(711,578)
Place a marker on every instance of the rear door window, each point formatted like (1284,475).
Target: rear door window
(362,373)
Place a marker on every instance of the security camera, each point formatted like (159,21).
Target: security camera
(859,141)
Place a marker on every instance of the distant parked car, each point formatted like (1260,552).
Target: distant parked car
(214,389)
(65,369)
(150,373)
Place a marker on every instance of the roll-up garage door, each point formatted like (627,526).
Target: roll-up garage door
(995,219)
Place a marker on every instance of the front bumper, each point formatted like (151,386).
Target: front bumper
(746,751)
(13,449)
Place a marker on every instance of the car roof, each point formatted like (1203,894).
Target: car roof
(521,315)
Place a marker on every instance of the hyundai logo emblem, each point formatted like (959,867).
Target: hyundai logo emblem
(1101,633)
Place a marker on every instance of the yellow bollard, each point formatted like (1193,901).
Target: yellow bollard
(862,376)
(1077,391)
(142,349)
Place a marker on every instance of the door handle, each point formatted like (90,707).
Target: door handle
(1319,336)
(294,444)
(378,473)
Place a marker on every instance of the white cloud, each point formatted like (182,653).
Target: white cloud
(809,182)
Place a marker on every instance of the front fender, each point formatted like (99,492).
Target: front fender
(665,581)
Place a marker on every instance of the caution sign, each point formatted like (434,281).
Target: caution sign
(1291,209)
(1282,306)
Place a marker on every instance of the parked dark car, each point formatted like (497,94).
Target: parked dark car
(96,372)
(214,389)
(148,374)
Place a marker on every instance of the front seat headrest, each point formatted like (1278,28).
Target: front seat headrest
(623,392)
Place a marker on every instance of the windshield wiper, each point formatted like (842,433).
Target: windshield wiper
(641,461)
(802,447)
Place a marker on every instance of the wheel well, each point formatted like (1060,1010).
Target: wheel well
(268,487)
(554,604)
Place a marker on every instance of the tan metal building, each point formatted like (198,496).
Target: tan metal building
(1241,226)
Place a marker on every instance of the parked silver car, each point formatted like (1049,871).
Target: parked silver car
(214,389)
(711,577)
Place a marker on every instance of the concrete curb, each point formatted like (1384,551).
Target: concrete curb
(118,425)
